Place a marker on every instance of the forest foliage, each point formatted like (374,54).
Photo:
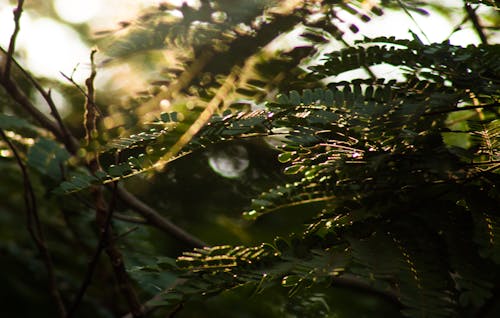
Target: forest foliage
(246,179)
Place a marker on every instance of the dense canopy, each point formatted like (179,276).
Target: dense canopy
(255,159)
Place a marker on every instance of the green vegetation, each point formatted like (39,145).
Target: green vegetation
(247,180)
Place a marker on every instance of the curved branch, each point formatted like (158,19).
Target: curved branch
(355,284)
(154,218)
(34,227)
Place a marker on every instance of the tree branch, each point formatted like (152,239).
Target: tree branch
(157,220)
(153,217)
(35,228)
(353,283)
(12,44)
(15,92)
(103,215)
(61,132)
(475,22)
(103,218)
(103,241)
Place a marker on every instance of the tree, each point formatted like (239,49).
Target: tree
(381,199)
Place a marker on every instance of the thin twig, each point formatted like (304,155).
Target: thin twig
(68,141)
(475,22)
(116,259)
(102,214)
(157,220)
(55,113)
(75,84)
(351,282)
(457,27)
(18,95)
(12,44)
(91,110)
(104,236)
(408,13)
(129,219)
(126,233)
(35,228)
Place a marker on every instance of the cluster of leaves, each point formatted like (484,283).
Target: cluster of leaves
(403,204)
(403,209)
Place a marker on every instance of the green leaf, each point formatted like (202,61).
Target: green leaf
(9,122)
(285,157)
(294,169)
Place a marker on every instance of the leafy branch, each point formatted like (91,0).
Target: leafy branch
(34,227)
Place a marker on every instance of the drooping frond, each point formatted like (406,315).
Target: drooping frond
(473,67)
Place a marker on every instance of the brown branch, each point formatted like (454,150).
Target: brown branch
(35,228)
(475,22)
(55,113)
(153,217)
(15,92)
(68,140)
(157,220)
(75,84)
(12,44)
(103,215)
(103,241)
(91,110)
(129,219)
(103,218)
(356,284)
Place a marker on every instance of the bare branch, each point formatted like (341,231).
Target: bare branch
(34,227)
(66,136)
(103,218)
(12,45)
(72,81)
(408,13)
(16,93)
(154,218)
(103,241)
(91,110)
(354,283)
(475,22)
